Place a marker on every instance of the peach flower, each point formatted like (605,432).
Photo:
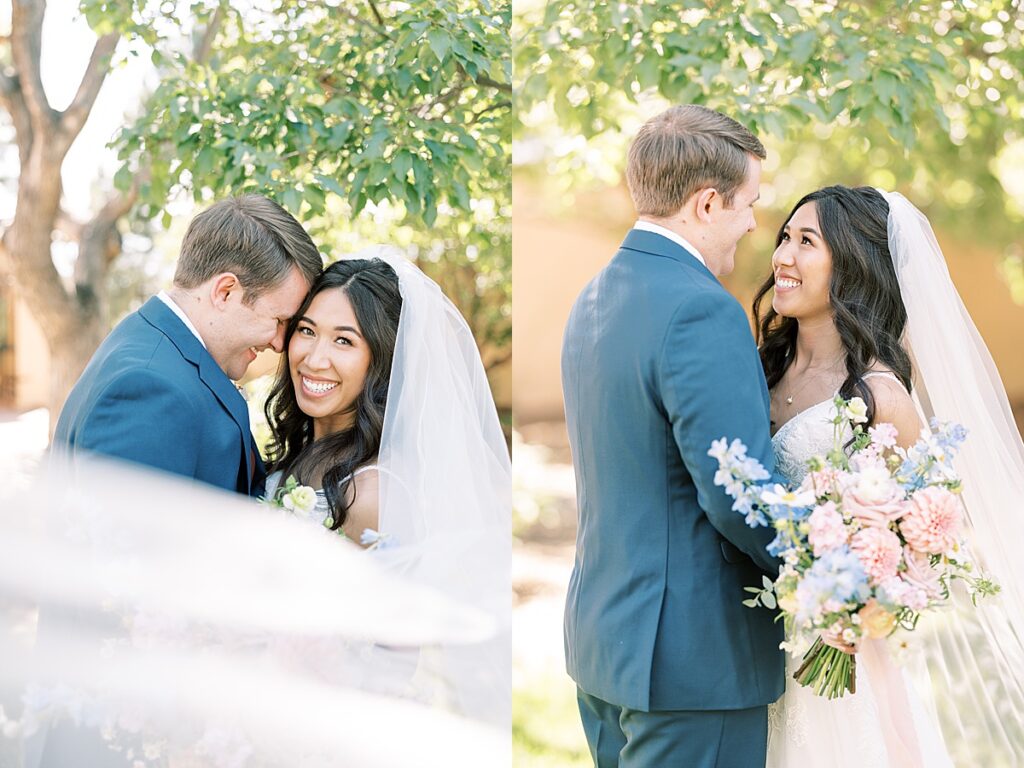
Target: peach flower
(875,621)
(879,552)
(932,520)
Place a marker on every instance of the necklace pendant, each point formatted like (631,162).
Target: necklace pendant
(789,400)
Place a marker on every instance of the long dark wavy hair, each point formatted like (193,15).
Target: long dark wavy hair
(864,293)
(371,286)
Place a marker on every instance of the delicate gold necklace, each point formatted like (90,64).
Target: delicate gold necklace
(789,400)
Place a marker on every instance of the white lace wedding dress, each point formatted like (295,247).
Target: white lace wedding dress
(809,731)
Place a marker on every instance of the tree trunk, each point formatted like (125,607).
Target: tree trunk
(68,358)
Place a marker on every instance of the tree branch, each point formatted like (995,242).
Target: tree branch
(26,46)
(14,101)
(376,13)
(498,105)
(490,83)
(74,117)
(205,45)
(363,22)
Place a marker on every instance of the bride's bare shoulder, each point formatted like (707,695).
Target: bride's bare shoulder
(894,405)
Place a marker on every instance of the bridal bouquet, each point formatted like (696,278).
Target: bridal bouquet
(869,540)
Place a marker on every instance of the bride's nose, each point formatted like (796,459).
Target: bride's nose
(782,257)
(317,357)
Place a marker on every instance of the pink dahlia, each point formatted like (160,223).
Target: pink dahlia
(827,530)
(932,520)
(879,552)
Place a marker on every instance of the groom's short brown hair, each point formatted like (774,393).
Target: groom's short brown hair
(251,236)
(684,149)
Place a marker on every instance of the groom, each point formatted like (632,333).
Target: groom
(159,389)
(657,362)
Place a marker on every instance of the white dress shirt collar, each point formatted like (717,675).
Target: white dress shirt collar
(657,229)
(166,299)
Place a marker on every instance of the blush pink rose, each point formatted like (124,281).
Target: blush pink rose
(879,551)
(932,521)
(874,498)
(920,575)
(827,530)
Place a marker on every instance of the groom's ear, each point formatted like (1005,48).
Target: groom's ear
(707,200)
(225,289)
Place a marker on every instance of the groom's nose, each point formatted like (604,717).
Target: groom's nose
(277,343)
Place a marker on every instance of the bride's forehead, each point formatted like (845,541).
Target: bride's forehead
(806,213)
(332,304)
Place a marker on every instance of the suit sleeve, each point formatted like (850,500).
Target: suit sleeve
(712,387)
(144,418)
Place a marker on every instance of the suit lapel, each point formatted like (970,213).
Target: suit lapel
(160,316)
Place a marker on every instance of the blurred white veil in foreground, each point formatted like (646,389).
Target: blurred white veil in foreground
(190,627)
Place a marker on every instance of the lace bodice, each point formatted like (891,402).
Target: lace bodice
(806,435)
(809,434)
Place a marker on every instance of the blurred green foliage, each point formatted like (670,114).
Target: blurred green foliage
(386,121)
(927,98)
(546,730)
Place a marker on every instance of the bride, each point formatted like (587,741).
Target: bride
(382,405)
(857,275)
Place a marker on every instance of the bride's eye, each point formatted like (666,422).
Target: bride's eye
(303,330)
(343,340)
(806,241)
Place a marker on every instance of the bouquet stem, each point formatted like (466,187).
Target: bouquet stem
(829,671)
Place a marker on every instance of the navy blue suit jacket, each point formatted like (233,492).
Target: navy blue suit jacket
(657,362)
(153,395)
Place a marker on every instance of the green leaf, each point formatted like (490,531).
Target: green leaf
(291,200)
(402,164)
(330,184)
(123,178)
(440,43)
(204,162)
(802,46)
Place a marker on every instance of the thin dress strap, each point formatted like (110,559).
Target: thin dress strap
(890,374)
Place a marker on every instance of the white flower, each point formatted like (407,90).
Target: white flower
(301,499)
(875,485)
(856,411)
(782,495)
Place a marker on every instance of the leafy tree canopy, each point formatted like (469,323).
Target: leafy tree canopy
(369,122)
(925,97)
